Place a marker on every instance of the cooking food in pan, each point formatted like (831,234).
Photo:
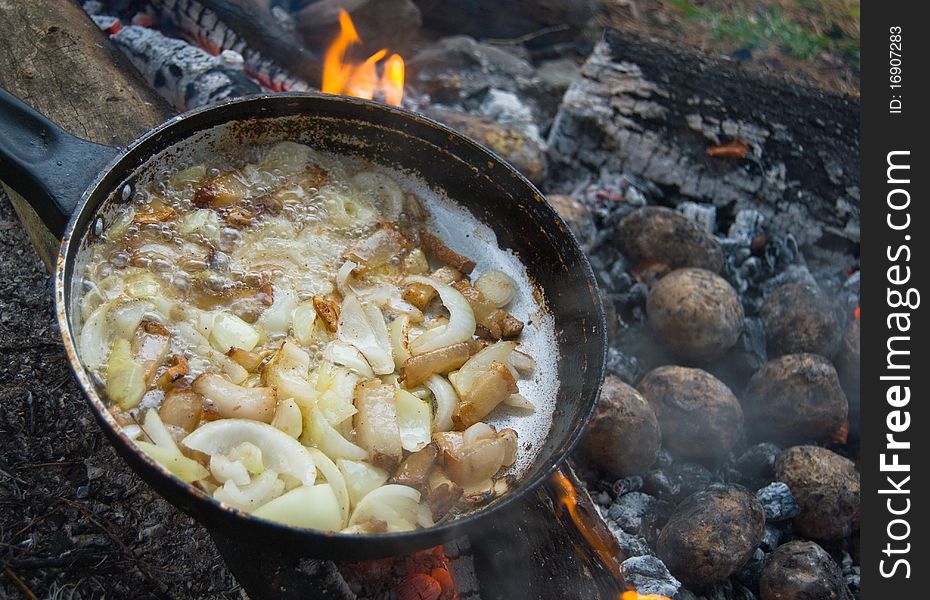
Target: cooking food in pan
(291,331)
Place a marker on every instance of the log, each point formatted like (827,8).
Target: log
(655,110)
(58,61)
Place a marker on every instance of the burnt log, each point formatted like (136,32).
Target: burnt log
(57,60)
(708,129)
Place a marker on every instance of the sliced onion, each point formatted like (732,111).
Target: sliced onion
(397,333)
(478,431)
(322,435)
(280,452)
(224,470)
(234,401)
(311,507)
(125,378)
(361,478)
(302,321)
(522,362)
(498,287)
(229,330)
(127,317)
(446,401)
(186,469)
(335,479)
(288,418)
(344,277)
(521,402)
(461,325)
(277,318)
(290,359)
(364,328)
(336,387)
(344,354)
(396,505)
(262,489)
(479,364)
(413,420)
(389,194)
(157,432)
(93,344)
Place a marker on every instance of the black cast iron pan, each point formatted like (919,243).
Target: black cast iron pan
(74,185)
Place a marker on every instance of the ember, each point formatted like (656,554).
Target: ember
(361,80)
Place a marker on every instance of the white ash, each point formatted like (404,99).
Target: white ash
(771,537)
(505,107)
(778,502)
(649,575)
(631,545)
(630,511)
(703,215)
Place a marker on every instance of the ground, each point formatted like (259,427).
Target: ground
(75,522)
(815,40)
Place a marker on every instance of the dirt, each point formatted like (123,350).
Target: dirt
(816,41)
(75,522)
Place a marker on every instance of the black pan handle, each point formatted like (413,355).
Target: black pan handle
(45,164)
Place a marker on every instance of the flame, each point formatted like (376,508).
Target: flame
(631,595)
(361,80)
(568,498)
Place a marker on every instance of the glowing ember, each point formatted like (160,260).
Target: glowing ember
(856,313)
(361,79)
(631,595)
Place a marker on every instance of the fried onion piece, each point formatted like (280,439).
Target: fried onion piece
(328,311)
(436,248)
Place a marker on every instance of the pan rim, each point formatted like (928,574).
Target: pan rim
(200,499)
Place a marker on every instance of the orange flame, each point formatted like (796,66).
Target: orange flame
(568,498)
(631,595)
(361,80)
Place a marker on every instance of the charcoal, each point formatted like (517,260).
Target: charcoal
(729,590)
(631,545)
(746,226)
(649,575)
(623,365)
(631,511)
(770,538)
(703,215)
(663,459)
(657,483)
(627,485)
(758,463)
(778,502)
(601,498)
(691,477)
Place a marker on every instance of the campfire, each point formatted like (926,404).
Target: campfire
(728,423)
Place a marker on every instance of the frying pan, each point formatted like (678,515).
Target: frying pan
(75,186)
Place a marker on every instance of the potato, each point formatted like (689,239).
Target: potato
(802,570)
(695,313)
(698,415)
(711,534)
(796,398)
(799,318)
(623,436)
(826,486)
(654,234)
